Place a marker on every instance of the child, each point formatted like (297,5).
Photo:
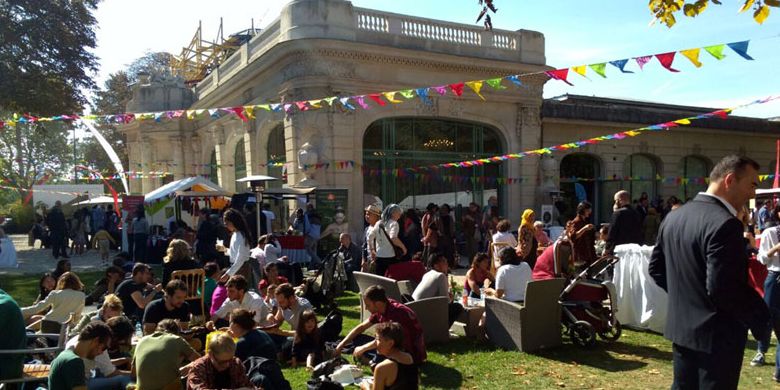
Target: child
(602,240)
(210,284)
(104,240)
(270,297)
(308,344)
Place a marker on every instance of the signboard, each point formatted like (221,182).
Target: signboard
(331,205)
(130,203)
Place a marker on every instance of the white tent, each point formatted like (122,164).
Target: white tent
(99,200)
(186,184)
(158,200)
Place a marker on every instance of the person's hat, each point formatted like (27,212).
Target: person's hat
(374,209)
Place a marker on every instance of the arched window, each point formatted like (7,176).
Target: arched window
(641,170)
(239,160)
(277,155)
(693,170)
(213,171)
(390,145)
(580,174)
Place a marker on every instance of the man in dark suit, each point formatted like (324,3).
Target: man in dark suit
(626,224)
(700,260)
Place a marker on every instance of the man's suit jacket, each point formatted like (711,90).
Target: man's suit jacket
(700,260)
(625,228)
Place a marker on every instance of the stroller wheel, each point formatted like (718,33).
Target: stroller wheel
(613,333)
(583,334)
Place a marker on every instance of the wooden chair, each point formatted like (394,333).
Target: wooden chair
(495,248)
(37,372)
(195,280)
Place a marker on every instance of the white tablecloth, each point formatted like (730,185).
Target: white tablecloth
(641,303)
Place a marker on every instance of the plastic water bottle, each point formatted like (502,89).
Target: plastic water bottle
(138,331)
(465,298)
(481,294)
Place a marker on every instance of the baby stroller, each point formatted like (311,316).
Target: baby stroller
(329,282)
(587,304)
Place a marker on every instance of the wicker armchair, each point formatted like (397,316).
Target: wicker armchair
(433,315)
(527,326)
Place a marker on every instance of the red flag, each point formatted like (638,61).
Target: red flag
(302,106)
(378,99)
(240,112)
(666,60)
(559,74)
(457,89)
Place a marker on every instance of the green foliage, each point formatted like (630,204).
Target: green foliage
(664,10)
(45,63)
(22,216)
(28,151)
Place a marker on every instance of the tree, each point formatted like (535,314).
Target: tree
(45,66)
(44,57)
(30,151)
(664,10)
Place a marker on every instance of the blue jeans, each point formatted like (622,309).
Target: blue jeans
(772,299)
(118,382)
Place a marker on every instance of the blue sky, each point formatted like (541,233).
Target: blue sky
(576,33)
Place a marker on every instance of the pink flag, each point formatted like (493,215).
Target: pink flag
(641,61)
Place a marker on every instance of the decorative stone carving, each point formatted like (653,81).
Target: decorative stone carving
(644,147)
(527,118)
(428,109)
(548,168)
(307,159)
(696,149)
(456,108)
(315,66)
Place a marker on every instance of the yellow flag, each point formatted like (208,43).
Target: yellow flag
(581,70)
(683,121)
(390,96)
(476,86)
(692,55)
(190,114)
(315,103)
(250,111)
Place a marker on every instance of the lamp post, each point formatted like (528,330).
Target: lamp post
(257,184)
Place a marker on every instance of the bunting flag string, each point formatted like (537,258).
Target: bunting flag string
(381,99)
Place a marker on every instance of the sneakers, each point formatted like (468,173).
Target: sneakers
(758,360)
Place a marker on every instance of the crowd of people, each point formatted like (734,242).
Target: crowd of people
(256,317)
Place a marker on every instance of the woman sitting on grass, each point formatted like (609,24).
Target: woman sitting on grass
(67,298)
(250,341)
(398,370)
(45,286)
(308,345)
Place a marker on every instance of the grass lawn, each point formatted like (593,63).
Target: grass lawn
(639,360)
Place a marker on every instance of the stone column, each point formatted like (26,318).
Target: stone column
(146,165)
(218,139)
(529,132)
(134,157)
(177,165)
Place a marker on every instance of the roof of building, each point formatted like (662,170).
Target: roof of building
(601,109)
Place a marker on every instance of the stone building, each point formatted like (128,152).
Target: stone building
(321,48)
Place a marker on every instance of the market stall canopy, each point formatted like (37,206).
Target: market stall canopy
(194,184)
(203,194)
(767,192)
(98,200)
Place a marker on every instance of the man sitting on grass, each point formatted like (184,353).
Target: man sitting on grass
(219,369)
(240,298)
(137,292)
(172,306)
(67,370)
(384,310)
(158,357)
(290,309)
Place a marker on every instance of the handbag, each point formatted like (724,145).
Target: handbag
(399,253)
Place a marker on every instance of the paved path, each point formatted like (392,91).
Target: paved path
(37,261)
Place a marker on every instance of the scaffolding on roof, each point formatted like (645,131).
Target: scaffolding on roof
(201,57)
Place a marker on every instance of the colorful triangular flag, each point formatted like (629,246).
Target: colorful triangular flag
(601,69)
(390,96)
(580,70)
(666,60)
(693,56)
(476,86)
(457,89)
(621,64)
(716,51)
(559,74)
(741,49)
(495,83)
(641,61)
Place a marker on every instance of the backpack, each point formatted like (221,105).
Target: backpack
(331,326)
(323,384)
(265,373)
(327,367)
